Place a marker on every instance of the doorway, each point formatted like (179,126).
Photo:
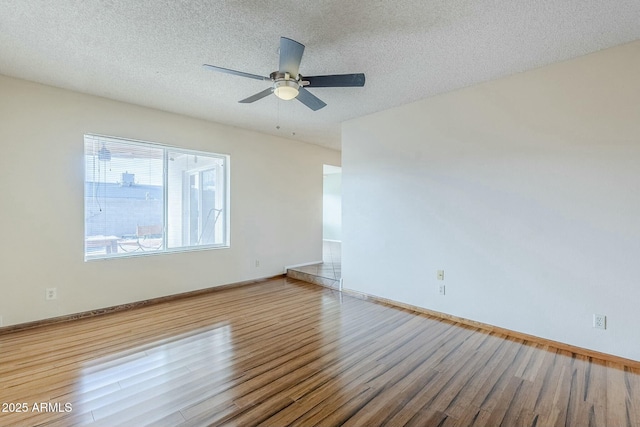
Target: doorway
(332,220)
(329,272)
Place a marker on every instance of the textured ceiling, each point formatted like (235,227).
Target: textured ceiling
(150,52)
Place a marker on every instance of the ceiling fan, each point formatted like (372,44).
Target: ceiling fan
(288,84)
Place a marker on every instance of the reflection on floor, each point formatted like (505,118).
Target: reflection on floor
(328,273)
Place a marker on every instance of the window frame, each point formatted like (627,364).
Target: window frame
(225,174)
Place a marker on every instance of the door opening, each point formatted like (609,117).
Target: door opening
(332,219)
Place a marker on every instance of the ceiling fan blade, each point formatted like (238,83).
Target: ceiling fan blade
(236,73)
(290,56)
(336,80)
(257,96)
(309,99)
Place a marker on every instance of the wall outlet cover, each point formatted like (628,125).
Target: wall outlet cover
(600,321)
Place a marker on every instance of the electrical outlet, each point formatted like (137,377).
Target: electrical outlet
(257,263)
(51,294)
(441,289)
(600,321)
(440,274)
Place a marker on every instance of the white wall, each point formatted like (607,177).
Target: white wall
(525,190)
(276,204)
(332,203)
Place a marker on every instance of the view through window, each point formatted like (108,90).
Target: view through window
(143,198)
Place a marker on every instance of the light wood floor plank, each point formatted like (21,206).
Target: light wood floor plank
(283,352)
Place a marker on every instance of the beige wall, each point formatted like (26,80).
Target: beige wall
(525,190)
(276,204)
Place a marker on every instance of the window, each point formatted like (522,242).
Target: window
(143,198)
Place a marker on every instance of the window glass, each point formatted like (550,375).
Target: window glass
(143,198)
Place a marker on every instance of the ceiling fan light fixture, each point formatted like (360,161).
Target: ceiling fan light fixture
(286,89)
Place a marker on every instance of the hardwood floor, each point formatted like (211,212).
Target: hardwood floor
(285,352)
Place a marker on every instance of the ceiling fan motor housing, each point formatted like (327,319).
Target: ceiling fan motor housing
(284,87)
